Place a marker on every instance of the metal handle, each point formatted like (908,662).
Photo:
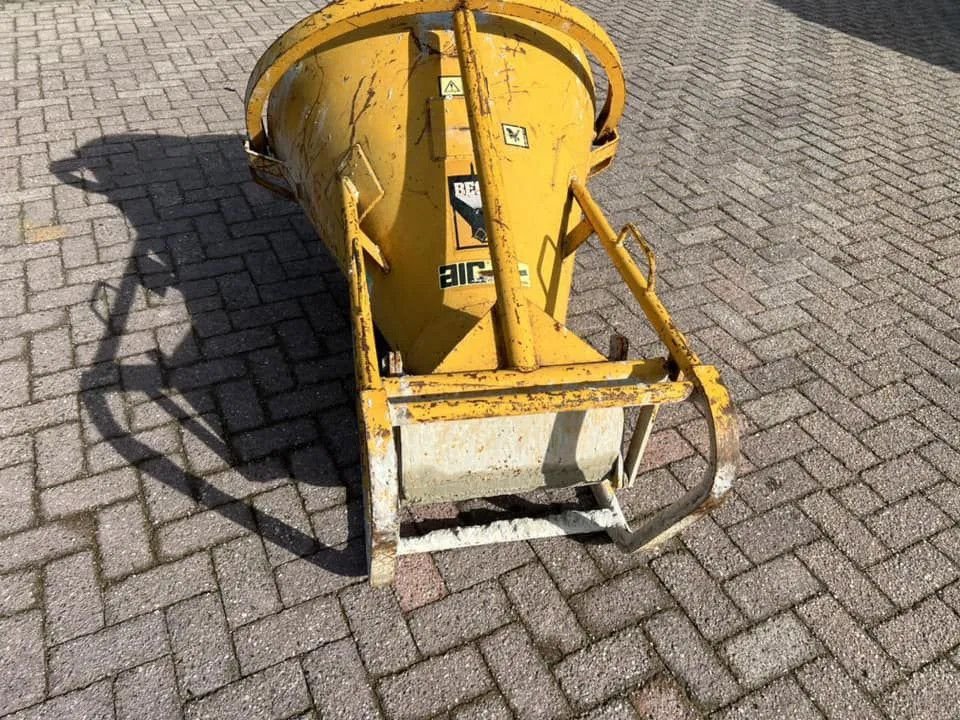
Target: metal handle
(339,19)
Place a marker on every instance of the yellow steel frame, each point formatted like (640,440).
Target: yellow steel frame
(521,388)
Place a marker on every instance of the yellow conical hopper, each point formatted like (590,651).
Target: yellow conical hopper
(441,149)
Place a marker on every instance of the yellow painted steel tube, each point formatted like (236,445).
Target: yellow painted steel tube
(511,304)
(467,406)
(641,371)
(364,341)
(652,307)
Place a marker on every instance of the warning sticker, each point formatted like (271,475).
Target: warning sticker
(515,135)
(451,85)
(468,224)
(475,272)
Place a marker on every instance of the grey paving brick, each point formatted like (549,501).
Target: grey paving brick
(845,582)
(323,572)
(828,471)
(290,535)
(203,530)
(122,538)
(72,602)
(158,587)
(21,661)
(338,525)
(14,378)
(459,618)
(277,692)
(775,485)
(891,401)
(946,496)
(435,684)
(549,620)
(89,493)
(933,692)
(844,529)
(774,586)
(776,531)
(521,675)
(238,481)
(378,627)
(339,683)
(770,649)
(50,351)
(896,437)
(691,660)
(611,560)
(489,707)
(662,699)
(148,692)
(290,632)
(943,457)
(463,568)
(583,677)
(245,581)
(776,443)
(835,692)
(201,645)
(920,634)
(18,591)
(907,522)
(777,407)
(94,702)
(619,602)
(713,548)
(52,540)
(16,498)
(859,499)
(849,644)
(92,657)
(15,450)
(913,573)
(700,595)
(616,709)
(841,444)
(781,698)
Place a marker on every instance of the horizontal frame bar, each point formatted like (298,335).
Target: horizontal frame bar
(416,386)
(566,523)
(534,401)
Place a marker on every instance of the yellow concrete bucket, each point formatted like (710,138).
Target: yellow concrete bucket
(441,149)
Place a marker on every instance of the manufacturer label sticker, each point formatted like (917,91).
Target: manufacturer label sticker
(467,207)
(474,272)
(515,135)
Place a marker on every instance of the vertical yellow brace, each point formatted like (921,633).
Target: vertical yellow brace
(652,307)
(511,303)
(365,352)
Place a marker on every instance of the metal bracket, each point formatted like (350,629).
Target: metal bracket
(269,172)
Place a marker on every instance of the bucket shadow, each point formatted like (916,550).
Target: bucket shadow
(225,321)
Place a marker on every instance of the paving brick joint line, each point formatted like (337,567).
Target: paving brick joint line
(180,520)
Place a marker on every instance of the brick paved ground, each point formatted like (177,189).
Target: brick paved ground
(178,493)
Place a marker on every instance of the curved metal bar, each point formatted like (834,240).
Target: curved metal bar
(346,16)
(718,478)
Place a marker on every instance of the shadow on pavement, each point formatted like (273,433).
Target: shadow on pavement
(256,368)
(928,30)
